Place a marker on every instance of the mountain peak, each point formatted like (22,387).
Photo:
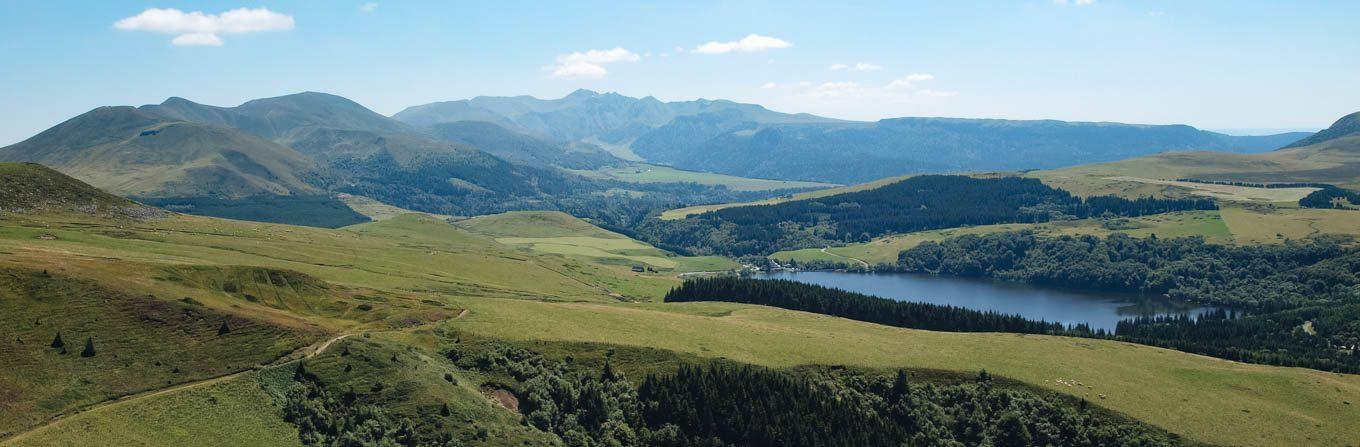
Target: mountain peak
(1346,126)
(581,93)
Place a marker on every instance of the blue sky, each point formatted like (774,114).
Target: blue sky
(1238,64)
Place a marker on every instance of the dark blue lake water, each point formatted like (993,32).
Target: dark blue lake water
(1101,310)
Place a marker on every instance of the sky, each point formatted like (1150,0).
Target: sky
(1212,64)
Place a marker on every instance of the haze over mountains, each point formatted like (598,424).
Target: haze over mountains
(496,153)
(751,141)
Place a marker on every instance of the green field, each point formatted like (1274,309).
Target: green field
(187,417)
(407,274)
(646,173)
(377,210)
(562,234)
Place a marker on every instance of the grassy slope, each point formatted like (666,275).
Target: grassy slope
(562,234)
(377,210)
(1336,162)
(409,259)
(1206,399)
(183,418)
(34,186)
(141,343)
(645,173)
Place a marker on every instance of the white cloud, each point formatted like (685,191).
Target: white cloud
(199,29)
(909,81)
(368,7)
(857,67)
(768,85)
(749,44)
(197,39)
(1074,2)
(590,64)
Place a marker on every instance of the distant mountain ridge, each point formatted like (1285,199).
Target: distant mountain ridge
(751,141)
(584,114)
(866,151)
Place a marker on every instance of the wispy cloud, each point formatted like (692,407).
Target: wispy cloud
(1074,2)
(749,44)
(909,81)
(898,90)
(590,64)
(368,7)
(857,67)
(199,29)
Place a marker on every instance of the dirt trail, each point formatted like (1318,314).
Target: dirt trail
(860,261)
(123,400)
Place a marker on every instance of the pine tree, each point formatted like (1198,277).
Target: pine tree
(223,329)
(900,385)
(57,343)
(89,348)
(445,410)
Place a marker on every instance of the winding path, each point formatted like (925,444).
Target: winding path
(124,400)
(860,261)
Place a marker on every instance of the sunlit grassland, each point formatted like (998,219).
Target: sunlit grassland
(645,173)
(1203,398)
(140,343)
(410,253)
(234,412)
(562,234)
(422,271)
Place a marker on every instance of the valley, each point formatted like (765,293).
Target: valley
(489,272)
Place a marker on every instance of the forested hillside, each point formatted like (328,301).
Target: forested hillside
(917,203)
(1297,300)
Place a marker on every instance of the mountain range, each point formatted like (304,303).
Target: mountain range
(751,141)
(491,154)
(296,145)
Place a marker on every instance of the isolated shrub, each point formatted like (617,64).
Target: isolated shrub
(57,343)
(89,348)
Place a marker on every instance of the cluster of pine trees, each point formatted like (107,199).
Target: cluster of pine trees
(751,406)
(1330,197)
(918,203)
(794,295)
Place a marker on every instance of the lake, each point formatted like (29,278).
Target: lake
(1101,310)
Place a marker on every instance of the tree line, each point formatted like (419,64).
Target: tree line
(793,295)
(917,203)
